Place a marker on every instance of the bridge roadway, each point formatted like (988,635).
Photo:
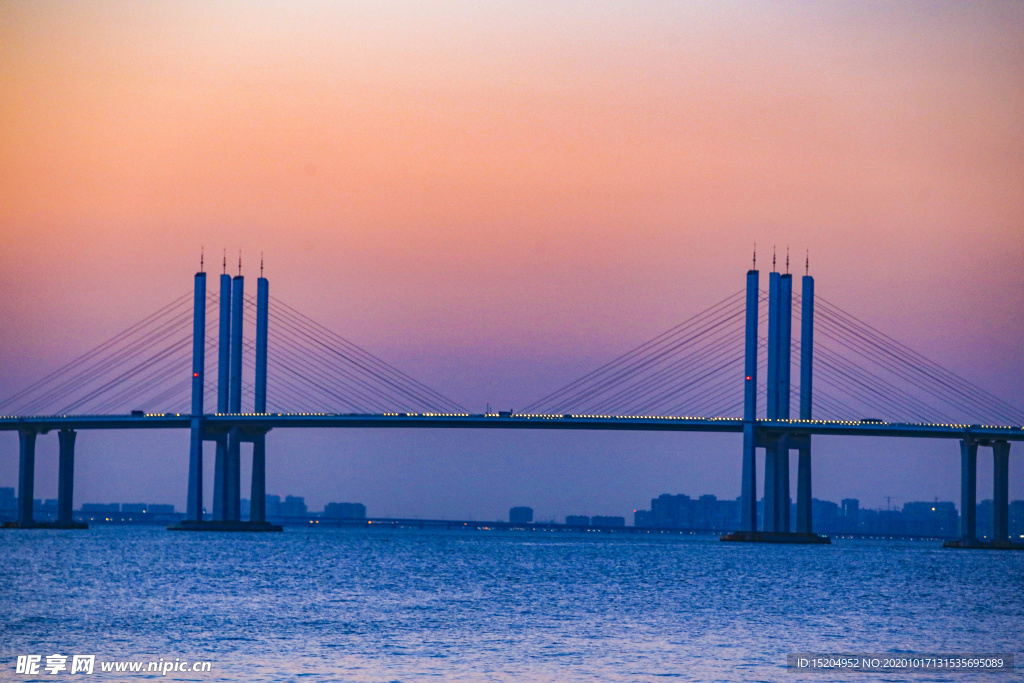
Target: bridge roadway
(262,422)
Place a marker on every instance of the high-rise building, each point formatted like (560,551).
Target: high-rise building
(294,506)
(520,515)
(345,511)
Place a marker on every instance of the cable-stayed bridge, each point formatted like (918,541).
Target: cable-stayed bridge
(846,377)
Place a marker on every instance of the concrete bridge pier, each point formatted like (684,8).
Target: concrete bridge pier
(803,490)
(220,464)
(27,480)
(1001,491)
(968,489)
(233,480)
(66,477)
(1000,497)
(782,498)
(26,475)
(771,489)
(258,497)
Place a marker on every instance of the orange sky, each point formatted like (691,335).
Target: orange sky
(507,187)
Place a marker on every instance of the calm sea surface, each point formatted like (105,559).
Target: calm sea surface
(412,605)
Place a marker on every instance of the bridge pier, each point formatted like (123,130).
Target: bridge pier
(771,488)
(803,490)
(1000,497)
(782,499)
(258,497)
(220,477)
(233,480)
(1001,491)
(968,489)
(26,475)
(27,481)
(66,476)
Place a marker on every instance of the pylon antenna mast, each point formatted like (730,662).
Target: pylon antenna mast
(225,264)
(773,258)
(807,263)
(200,259)
(755,256)
(787,259)
(261,264)
(239,263)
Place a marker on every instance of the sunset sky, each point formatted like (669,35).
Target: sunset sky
(498,197)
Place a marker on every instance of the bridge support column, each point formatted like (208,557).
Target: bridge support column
(968,489)
(220,478)
(782,497)
(803,491)
(232,488)
(66,476)
(748,493)
(26,474)
(804,511)
(194,505)
(748,488)
(258,500)
(233,479)
(1001,491)
(771,489)
(223,382)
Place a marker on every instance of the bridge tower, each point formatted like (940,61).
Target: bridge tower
(776,524)
(227,466)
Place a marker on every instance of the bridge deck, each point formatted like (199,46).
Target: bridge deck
(266,421)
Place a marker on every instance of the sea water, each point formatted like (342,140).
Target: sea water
(375,605)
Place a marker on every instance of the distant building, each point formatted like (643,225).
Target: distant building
(100,508)
(345,511)
(931,519)
(682,512)
(1017,520)
(824,515)
(8,503)
(294,506)
(849,517)
(133,507)
(607,521)
(273,505)
(520,515)
(577,520)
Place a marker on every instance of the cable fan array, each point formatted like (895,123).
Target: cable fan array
(861,372)
(148,367)
(317,370)
(696,369)
(689,369)
(144,367)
